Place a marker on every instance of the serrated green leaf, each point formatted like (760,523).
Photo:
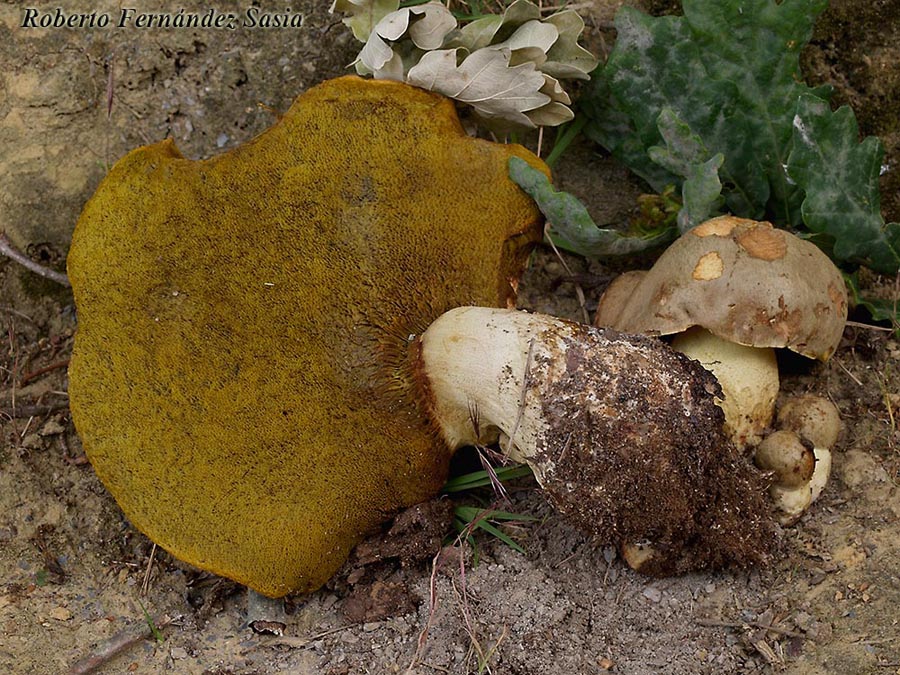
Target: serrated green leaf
(730,71)
(478,33)
(566,58)
(572,225)
(840,178)
(686,156)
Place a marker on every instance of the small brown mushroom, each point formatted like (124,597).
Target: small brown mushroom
(817,421)
(783,453)
(792,464)
(744,283)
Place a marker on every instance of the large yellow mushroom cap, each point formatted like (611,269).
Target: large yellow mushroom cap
(240,375)
(743,281)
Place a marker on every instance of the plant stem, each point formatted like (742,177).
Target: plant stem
(10,251)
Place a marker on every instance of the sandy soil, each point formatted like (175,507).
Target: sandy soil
(73,573)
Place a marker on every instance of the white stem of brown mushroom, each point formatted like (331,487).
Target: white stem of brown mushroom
(749,379)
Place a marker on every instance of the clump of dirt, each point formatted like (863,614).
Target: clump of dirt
(646,461)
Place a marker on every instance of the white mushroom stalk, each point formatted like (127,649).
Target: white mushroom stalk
(622,432)
(749,379)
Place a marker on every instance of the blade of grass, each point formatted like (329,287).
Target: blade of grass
(476,479)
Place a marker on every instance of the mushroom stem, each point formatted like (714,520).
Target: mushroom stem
(621,432)
(481,365)
(749,379)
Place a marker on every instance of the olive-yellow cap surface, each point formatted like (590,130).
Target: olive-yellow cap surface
(240,374)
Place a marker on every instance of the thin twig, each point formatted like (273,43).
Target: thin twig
(118,643)
(432,610)
(25,411)
(10,251)
(868,326)
(715,623)
(145,586)
(579,291)
(851,375)
(17,313)
(526,382)
(28,377)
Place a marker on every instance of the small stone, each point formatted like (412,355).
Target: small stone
(60,614)
(32,442)
(51,428)
(178,653)
(653,594)
(606,664)
(803,621)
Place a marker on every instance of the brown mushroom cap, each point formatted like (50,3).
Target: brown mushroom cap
(742,280)
(814,418)
(240,375)
(783,453)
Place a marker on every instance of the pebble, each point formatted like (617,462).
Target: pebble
(60,614)
(178,653)
(52,428)
(653,594)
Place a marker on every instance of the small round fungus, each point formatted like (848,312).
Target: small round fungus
(791,462)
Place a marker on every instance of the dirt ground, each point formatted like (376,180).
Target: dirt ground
(74,573)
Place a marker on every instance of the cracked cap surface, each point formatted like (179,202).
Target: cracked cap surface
(743,281)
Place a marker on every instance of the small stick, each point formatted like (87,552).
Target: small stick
(10,251)
(118,643)
(849,374)
(17,313)
(28,377)
(868,326)
(145,586)
(713,623)
(526,382)
(24,411)
(579,291)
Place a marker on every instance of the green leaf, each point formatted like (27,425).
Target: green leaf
(573,227)
(363,14)
(154,631)
(840,178)
(568,59)
(478,479)
(729,71)
(879,309)
(686,156)
(476,518)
